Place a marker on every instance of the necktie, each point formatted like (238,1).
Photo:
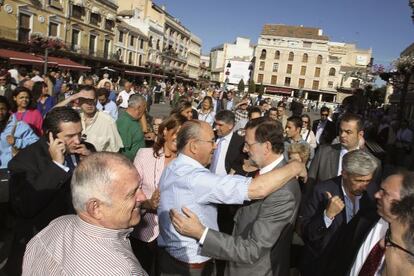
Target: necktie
(216,156)
(69,163)
(373,260)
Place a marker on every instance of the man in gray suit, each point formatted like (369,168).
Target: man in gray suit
(262,235)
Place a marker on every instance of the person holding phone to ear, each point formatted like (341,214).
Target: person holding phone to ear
(40,179)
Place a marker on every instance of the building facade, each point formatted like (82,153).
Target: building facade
(194,57)
(223,56)
(301,61)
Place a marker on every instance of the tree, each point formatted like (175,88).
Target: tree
(260,89)
(241,86)
(252,87)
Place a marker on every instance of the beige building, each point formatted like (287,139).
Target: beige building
(131,41)
(85,26)
(301,61)
(194,57)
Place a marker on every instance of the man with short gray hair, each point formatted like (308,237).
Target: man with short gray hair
(333,203)
(130,128)
(107,198)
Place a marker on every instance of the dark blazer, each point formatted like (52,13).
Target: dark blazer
(315,234)
(39,193)
(340,257)
(262,235)
(328,133)
(234,155)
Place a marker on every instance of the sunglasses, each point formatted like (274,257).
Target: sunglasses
(389,242)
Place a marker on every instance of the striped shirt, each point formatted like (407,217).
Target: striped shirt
(150,170)
(71,246)
(185,182)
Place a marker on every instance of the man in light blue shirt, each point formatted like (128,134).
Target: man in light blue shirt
(186,182)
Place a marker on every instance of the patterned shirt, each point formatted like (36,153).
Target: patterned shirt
(71,246)
(185,182)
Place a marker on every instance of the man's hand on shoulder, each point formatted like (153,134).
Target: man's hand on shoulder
(188,225)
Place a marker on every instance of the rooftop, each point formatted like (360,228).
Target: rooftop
(293,31)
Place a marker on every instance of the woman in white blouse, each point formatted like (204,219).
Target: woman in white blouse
(306,132)
(206,113)
(150,163)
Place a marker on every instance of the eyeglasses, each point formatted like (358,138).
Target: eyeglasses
(389,242)
(207,141)
(248,146)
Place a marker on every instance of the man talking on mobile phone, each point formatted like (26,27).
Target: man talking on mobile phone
(40,179)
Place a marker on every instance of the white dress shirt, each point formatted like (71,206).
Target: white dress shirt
(125,97)
(376,234)
(220,167)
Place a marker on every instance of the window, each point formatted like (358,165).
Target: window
(332,72)
(130,58)
(56,4)
(305,58)
(307,44)
(289,69)
(315,85)
(319,59)
(273,80)
(95,19)
(287,81)
(301,83)
(261,65)
(92,44)
(75,39)
(317,72)
(121,36)
(291,56)
(260,78)
(303,70)
(77,12)
(263,54)
(139,60)
(275,67)
(24,27)
(330,84)
(53,29)
(109,24)
(106,48)
(131,40)
(141,43)
(150,42)
(158,44)
(277,54)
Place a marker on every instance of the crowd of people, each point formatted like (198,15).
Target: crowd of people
(92,184)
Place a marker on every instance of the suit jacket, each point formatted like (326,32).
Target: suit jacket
(262,235)
(328,133)
(340,257)
(234,155)
(316,236)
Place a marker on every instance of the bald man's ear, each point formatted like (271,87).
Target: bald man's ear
(94,208)
(192,146)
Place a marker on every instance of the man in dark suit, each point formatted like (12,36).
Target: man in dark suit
(40,179)
(332,204)
(229,151)
(328,158)
(348,254)
(262,235)
(324,129)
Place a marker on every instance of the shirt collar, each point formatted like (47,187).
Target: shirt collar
(101,232)
(227,137)
(345,194)
(271,166)
(189,160)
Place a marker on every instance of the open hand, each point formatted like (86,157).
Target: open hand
(188,225)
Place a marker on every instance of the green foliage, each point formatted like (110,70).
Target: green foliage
(252,87)
(241,86)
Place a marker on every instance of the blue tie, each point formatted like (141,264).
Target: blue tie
(216,156)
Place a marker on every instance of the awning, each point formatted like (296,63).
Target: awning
(136,73)
(16,57)
(65,63)
(278,90)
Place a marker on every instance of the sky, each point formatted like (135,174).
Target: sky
(383,25)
